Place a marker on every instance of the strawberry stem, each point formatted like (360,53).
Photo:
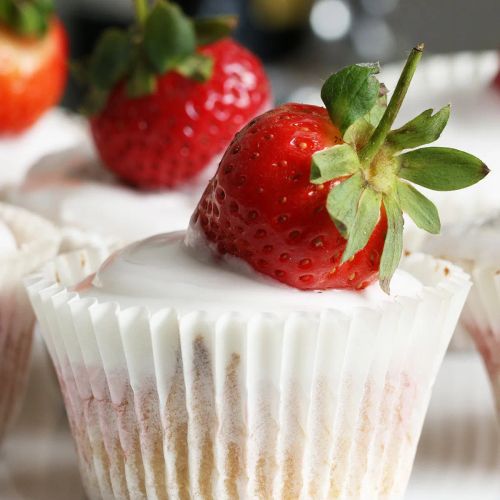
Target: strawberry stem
(380,133)
(141,10)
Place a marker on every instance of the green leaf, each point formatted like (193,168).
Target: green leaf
(361,130)
(45,5)
(393,246)
(332,163)
(169,36)
(111,59)
(422,211)
(142,81)
(29,21)
(211,29)
(95,100)
(423,129)
(441,169)
(197,67)
(342,203)
(350,94)
(28,17)
(367,216)
(6,11)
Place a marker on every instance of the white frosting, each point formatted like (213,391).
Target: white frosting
(56,130)
(162,272)
(8,244)
(475,240)
(73,190)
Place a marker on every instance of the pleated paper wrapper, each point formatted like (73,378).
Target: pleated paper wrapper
(38,241)
(269,407)
(418,241)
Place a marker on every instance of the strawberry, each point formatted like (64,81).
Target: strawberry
(313,197)
(33,62)
(176,99)
(262,207)
(167,137)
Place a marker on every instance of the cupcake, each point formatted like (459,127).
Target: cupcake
(26,242)
(255,356)
(473,245)
(158,135)
(33,67)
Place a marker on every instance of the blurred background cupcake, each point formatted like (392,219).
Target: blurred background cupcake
(26,242)
(474,244)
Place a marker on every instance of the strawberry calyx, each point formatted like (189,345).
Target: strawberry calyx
(163,39)
(27,18)
(375,163)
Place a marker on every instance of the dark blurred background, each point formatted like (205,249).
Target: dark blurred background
(302,41)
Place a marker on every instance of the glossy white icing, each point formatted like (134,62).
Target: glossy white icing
(163,272)
(475,239)
(56,130)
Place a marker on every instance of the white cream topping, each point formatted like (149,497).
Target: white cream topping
(475,240)
(56,130)
(73,190)
(162,272)
(8,243)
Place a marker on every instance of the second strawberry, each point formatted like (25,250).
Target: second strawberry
(167,96)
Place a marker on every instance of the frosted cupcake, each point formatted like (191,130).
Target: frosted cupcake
(26,242)
(474,245)
(255,356)
(33,67)
(160,129)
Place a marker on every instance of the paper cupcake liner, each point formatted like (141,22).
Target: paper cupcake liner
(461,340)
(38,241)
(307,406)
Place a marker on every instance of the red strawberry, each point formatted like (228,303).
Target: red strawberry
(167,137)
(313,197)
(168,98)
(32,75)
(262,207)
